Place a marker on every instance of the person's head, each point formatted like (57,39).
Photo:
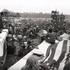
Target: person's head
(44,66)
(31,64)
(50,30)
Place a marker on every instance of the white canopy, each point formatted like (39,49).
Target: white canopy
(3,36)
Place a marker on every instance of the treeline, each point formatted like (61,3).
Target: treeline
(7,13)
(35,15)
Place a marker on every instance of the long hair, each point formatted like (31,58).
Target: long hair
(31,64)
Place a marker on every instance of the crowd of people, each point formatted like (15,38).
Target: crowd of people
(29,37)
(51,64)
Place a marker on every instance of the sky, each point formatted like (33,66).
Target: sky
(45,6)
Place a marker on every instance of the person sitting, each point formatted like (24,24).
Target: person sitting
(51,37)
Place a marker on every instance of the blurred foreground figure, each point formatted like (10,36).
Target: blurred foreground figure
(67,66)
(67,63)
(51,37)
(31,64)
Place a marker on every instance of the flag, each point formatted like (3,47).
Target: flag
(58,52)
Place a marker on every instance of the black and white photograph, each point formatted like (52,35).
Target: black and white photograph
(34,35)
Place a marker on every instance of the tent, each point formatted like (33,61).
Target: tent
(3,36)
(3,48)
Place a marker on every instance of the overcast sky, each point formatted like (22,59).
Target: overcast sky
(45,6)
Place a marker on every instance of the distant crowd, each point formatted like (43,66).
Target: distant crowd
(28,37)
